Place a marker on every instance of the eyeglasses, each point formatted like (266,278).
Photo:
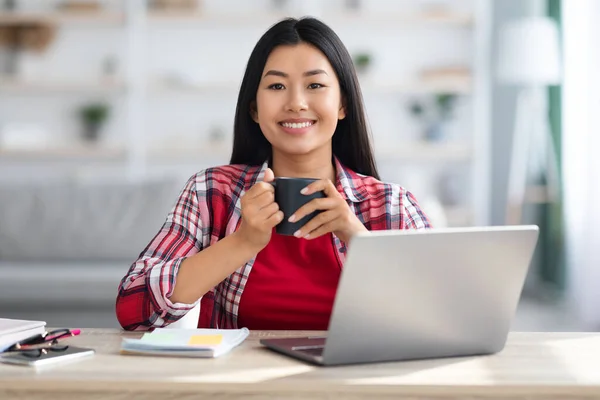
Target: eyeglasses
(44,340)
(40,351)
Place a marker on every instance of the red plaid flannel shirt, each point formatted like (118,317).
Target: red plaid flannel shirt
(207,210)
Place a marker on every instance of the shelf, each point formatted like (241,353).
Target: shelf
(15,86)
(425,152)
(459,86)
(64,153)
(454,85)
(168,17)
(407,152)
(270,18)
(192,154)
(194,89)
(110,18)
(405,20)
(63,18)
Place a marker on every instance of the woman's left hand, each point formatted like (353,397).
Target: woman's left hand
(335,214)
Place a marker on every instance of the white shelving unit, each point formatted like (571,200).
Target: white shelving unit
(138,89)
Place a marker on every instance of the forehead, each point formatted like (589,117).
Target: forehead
(297,58)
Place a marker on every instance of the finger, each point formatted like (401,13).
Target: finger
(269,175)
(313,205)
(319,220)
(258,189)
(275,219)
(324,185)
(322,230)
(264,199)
(258,217)
(314,187)
(255,199)
(268,211)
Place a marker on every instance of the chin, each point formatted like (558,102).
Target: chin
(297,151)
(298,148)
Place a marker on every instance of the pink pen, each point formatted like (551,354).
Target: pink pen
(49,337)
(73,332)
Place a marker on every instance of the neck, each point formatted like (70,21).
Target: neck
(304,166)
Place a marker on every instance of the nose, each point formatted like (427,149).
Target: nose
(296,101)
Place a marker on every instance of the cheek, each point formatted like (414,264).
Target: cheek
(329,106)
(263,105)
(260,104)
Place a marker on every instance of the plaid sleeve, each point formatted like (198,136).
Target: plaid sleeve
(143,296)
(414,217)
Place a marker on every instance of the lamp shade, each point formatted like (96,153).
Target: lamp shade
(529,52)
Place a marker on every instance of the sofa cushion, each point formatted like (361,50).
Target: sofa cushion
(82,219)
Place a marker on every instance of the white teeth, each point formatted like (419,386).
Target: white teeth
(294,125)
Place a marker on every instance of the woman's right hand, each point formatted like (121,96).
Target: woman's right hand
(260,213)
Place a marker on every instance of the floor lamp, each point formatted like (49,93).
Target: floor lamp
(529,58)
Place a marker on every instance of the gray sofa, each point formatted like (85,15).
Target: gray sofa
(66,243)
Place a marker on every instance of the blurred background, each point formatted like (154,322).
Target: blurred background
(484,109)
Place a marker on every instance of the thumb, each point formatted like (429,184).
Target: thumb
(269,175)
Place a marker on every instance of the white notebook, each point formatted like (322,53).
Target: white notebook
(207,343)
(15,330)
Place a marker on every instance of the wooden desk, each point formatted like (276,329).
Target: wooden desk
(533,365)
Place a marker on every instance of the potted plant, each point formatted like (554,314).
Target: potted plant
(362,61)
(434,114)
(93,116)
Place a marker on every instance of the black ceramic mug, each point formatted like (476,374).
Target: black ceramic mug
(289,199)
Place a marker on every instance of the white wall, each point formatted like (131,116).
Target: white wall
(581,163)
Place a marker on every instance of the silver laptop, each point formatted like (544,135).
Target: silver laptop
(422,294)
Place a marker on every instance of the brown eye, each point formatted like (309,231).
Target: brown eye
(276,86)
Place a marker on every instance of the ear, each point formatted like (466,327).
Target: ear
(253,111)
(342,110)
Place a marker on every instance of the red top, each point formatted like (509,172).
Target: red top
(291,286)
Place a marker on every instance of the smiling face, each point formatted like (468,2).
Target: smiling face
(298,102)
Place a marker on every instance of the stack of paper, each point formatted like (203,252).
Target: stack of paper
(185,342)
(16,330)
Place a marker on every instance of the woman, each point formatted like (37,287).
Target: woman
(299,114)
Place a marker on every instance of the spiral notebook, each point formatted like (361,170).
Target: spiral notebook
(207,343)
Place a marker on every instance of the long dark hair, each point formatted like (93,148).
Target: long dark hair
(351,140)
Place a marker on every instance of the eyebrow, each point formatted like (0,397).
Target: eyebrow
(307,73)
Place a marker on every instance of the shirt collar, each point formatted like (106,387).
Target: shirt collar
(348,183)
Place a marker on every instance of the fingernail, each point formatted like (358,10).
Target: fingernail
(292,218)
(297,234)
(307,236)
(304,191)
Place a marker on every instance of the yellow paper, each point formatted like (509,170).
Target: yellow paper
(205,340)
